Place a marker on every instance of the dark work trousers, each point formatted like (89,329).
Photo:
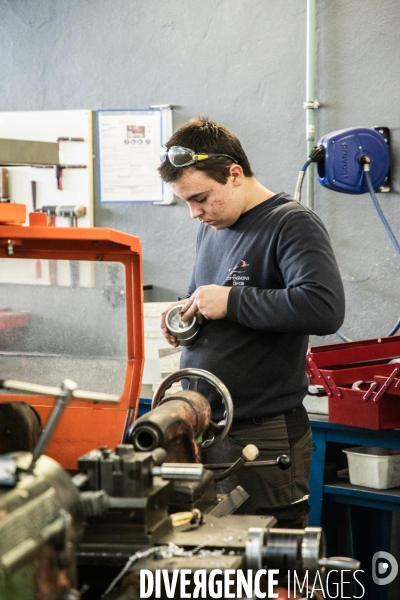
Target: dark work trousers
(280,493)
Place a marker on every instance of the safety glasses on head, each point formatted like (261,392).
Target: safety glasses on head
(179,156)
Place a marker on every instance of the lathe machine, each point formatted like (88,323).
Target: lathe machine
(146,507)
(100,497)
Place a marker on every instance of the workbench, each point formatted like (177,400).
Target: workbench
(369,510)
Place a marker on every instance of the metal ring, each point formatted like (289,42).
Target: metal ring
(254,547)
(195,375)
(312,548)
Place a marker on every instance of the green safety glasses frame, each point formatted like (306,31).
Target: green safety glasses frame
(179,156)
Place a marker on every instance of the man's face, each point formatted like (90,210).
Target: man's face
(214,204)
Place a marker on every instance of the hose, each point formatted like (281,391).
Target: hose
(299,183)
(380,211)
(317,155)
(386,225)
(367,174)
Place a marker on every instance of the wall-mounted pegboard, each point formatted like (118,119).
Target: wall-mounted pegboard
(57,189)
(64,191)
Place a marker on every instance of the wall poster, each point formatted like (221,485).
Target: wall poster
(129,144)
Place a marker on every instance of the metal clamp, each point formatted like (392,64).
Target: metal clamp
(311,104)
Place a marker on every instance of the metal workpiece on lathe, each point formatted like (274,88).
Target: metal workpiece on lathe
(185,332)
(187,471)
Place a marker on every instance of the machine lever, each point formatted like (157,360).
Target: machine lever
(249,454)
(46,390)
(183,521)
(62,402)
(283,462)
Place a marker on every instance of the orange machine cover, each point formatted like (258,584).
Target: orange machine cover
(85,425)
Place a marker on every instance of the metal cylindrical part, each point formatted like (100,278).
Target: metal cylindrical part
(254,547)
(298,549)
(146,438)
(185,332)
(178,414)
(187,471)
(94,503)
(285,549)
(312,547)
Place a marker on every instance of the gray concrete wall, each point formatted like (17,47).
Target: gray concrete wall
(241,63)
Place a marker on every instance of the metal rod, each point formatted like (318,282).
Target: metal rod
(63,400)
(255,463)
(189,471)
(45,390)
(310,95)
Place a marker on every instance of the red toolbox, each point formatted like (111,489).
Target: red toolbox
(362,380)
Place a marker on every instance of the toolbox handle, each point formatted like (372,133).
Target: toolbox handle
(376,395)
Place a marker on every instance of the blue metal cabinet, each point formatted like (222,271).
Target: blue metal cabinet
(370,510)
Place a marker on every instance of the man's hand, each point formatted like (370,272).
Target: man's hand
(208,301)
(171,339)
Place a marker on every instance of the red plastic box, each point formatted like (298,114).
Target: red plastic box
(362,380)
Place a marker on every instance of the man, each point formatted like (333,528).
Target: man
(265,278)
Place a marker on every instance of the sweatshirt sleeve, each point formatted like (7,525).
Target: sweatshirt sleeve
(311,300)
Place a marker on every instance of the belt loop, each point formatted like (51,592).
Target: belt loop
(258,420)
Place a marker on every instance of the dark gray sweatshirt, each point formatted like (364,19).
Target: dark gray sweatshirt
(286,285)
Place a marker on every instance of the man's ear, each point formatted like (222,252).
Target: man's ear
(236,174)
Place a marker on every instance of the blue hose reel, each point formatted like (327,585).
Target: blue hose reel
(341,169)
(353,161)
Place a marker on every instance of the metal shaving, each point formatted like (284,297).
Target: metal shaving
(167,551)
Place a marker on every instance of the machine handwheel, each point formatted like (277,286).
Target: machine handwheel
(193,375)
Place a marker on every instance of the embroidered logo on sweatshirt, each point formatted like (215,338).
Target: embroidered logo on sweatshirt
(237,275)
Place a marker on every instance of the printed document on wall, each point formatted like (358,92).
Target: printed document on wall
(129,154)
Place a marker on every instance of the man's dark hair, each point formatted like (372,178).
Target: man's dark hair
(204,136)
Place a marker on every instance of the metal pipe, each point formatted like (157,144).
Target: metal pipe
(46,390)
(311,103)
